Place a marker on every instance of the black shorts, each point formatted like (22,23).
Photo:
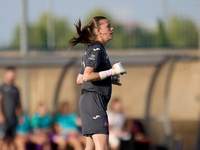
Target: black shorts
(92,108)
(8,129)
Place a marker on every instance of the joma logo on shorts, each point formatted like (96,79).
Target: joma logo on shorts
(97,116)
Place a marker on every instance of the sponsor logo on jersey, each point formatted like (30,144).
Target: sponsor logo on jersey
(105,123)
(92,57)
(97,49)
(97,116)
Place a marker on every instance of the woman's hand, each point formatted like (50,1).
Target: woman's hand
(79,79)
(115,80)
(118,69)
(2,119)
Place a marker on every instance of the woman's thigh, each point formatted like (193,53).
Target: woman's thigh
(89,143)
(100,141)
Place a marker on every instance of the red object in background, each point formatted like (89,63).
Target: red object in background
(138,133)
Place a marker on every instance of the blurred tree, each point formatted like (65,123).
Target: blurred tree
(161,35)
(38,34)
(182,32)
(139,37)
(63,33)
(16,40)
(124,37)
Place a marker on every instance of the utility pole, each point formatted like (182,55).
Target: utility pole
(50,26)
(165,7)
(198,133)
(23,29)
(23,52)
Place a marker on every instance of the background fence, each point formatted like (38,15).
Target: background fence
(137,24)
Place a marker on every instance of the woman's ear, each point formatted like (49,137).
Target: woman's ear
(98,31)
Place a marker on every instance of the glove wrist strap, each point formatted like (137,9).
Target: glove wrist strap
(105,74)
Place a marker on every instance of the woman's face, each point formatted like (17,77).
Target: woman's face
(116,106)
(42,110)
(105,30)
(65,109)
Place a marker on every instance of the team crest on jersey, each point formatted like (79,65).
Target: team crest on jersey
(105,123)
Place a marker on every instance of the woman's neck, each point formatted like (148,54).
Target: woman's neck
(101,41)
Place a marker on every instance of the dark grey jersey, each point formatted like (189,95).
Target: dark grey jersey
(10,101)
(96,57)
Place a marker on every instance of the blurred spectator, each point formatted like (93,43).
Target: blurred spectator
(22,132)
(141,141)
(9,109)
(67,129)
(41,123)
(120,126)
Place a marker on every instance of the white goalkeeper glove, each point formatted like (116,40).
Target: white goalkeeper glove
(115,80)
(116,69)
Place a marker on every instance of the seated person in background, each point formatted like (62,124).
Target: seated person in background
(41,124)
(140,139)
(119,127)
(22,131)
(66,128)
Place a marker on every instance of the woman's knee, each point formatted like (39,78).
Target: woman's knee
(61,142)
(74,141)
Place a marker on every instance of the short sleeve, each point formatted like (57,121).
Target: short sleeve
(1,89)
(35,121)
(75,117)
(82,69)
(94,58)
(27,121)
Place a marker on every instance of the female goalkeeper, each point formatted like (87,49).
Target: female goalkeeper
(96,77)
